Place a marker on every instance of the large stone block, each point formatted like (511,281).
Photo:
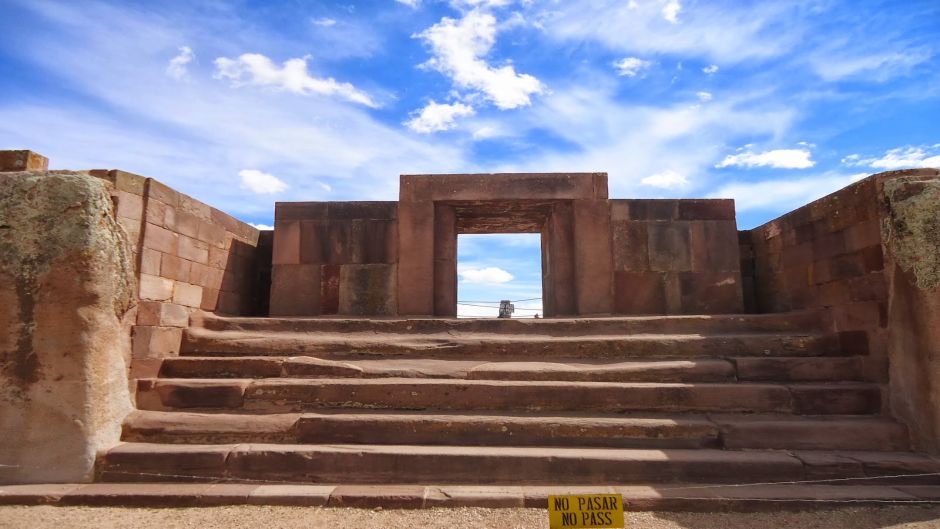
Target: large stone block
(715,246)
(630,246)
(710,292)
(367,290)
(22,161)
(639,293)
(66,284)
(295,290)
(669,246)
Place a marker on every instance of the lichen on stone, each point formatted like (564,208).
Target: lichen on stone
(912,227)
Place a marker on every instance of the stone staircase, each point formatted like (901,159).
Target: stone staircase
(595,402)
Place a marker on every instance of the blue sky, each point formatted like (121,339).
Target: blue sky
(242,104)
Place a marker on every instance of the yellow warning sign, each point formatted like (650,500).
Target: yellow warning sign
(585,511)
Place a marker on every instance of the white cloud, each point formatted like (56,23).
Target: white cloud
(410,3)
(256,69)
(779,158)
(177,67)
(435,117)
(782,195)
(671,11)
(324,22)
(459,47)
(667,179)
(710,69)
(899,158)
(836,65)
(716,31)
(260,182)
(490,275)
(631,66)
(262,227)
(324,186)
(704,97)
(474,4)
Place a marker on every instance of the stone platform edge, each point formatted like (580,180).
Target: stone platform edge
(701,498)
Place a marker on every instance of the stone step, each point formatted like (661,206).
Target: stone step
(633,431)
(636,497)
(799,321)
(202,342)
(362,464)
(694,370)
(423,429)
(286,394)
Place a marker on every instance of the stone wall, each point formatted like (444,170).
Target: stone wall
(334,258)
(868,255)
(188,256)
(911,231)
(828,255)
(675,257)
(66,290)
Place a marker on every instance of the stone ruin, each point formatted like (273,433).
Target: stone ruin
(148,337)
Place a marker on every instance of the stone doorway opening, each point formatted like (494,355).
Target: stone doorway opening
(501,266)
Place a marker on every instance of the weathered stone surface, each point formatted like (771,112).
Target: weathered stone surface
(66,283)
(912,235)
(368,290)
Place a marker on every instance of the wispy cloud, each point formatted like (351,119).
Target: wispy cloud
(436,117)
(490,275)
(899,158)
(631,66)
(258,70)
(177,68)
(781,195)
(778,158)
(667,179)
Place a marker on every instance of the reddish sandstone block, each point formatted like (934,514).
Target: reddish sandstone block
(157,213)
(846,266)
(156,342)
(710,293)
(715,246)
(193,250)
(295,290)
(230,303)
(172,267)
(211,234)
(155,288)
(218,257)
(869,287)
(329,289)
(873,258)
(129,182)
(185,223)
(863,235)
(630,246)
(286,243)
(160,239)
(129,205)
(200,274)
(187,294)
(210,299)
(23,161)
(379,242)
(155,313)
(669,246)
(706,209)
(163,193)
(639,293)
(652,209)
(150,262)
(367,290)
(194,207)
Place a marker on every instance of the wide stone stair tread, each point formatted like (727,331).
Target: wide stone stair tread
(493,429)
(636,496)
(691,370)
(343,463)
(202,342)
(799,321)
(286,394)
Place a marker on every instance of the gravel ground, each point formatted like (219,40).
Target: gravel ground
(312,517)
